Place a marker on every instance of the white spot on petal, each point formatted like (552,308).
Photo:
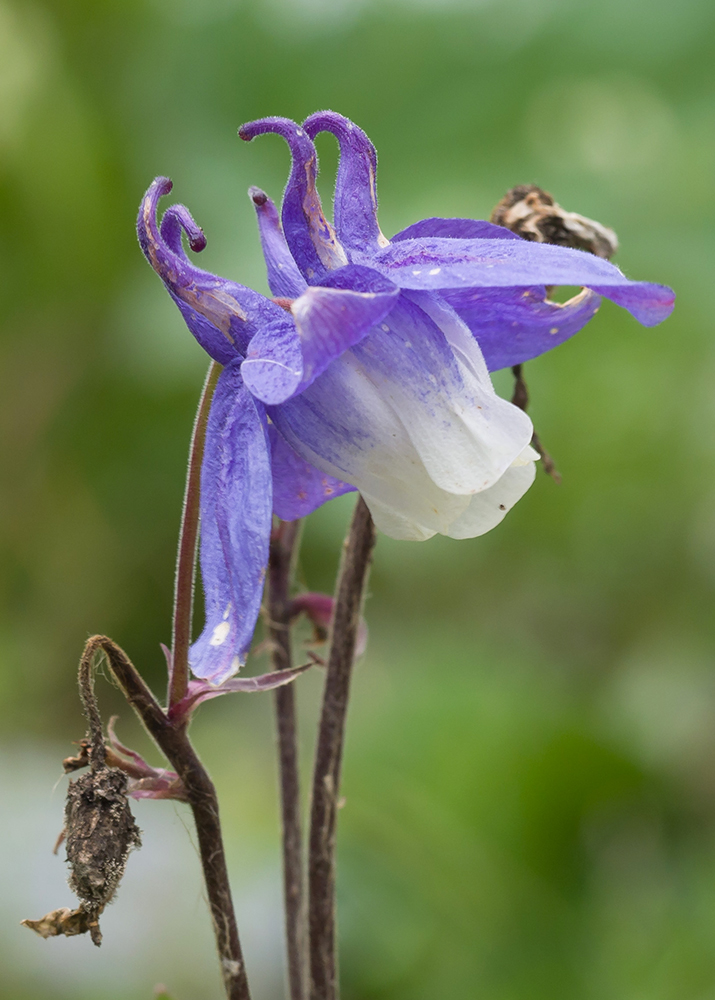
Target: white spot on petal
(385,327)
(435,270)
(220,634)
(418,271)
(554,329)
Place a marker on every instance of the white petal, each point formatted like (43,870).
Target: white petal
(488,508)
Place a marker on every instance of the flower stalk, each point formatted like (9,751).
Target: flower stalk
(188,538)
(283,547)
(350,591)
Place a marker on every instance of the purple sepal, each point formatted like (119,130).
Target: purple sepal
(356,183)
(649,303)
(512,325)
(437,263)
(455,229)
(283,360)
(236,510)
(222,315)
(284,278)
(309,235)
(298,487)
(199,691)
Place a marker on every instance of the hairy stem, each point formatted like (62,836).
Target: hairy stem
(186,556)
(283,546)
(201,794)
(326,777)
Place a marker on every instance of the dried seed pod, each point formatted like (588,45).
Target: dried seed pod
(100,831)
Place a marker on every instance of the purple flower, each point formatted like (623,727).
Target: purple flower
(369,369)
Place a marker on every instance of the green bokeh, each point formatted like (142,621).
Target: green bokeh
(530,776)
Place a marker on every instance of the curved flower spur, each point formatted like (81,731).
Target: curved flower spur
(368,370)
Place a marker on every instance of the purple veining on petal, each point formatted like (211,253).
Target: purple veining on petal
(356,183)
(284,277)
(236,510)
(222,315)
(455,229)
(512,325)
(298,487)
(309,235)
(437,263)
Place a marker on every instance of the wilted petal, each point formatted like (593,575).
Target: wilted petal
(513,325)
(284,277)
(309,235)
(433,263)
(222,315)
(236,510)
(356,183)
(298,487)
(283,361)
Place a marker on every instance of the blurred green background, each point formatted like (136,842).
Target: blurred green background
(530,770)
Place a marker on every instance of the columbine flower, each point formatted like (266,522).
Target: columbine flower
(369,369)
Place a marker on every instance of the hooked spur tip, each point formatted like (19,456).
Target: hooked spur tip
(257,196)
(197,241)
(244,133)
(162,185)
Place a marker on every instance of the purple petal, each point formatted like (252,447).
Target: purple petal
(273,369)
(284,278)
(433,263)
(512,325)
(455,229)
(356,184)
(222,315)
(328,320)
(236,509)
(309,235)
(410,418)
(298,487)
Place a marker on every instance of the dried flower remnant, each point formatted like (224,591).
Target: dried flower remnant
(531,212)
(99,830)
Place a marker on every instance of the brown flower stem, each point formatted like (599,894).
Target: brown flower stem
(188,537)
(201,794)
(326,778)
(520,398)
(280,563)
